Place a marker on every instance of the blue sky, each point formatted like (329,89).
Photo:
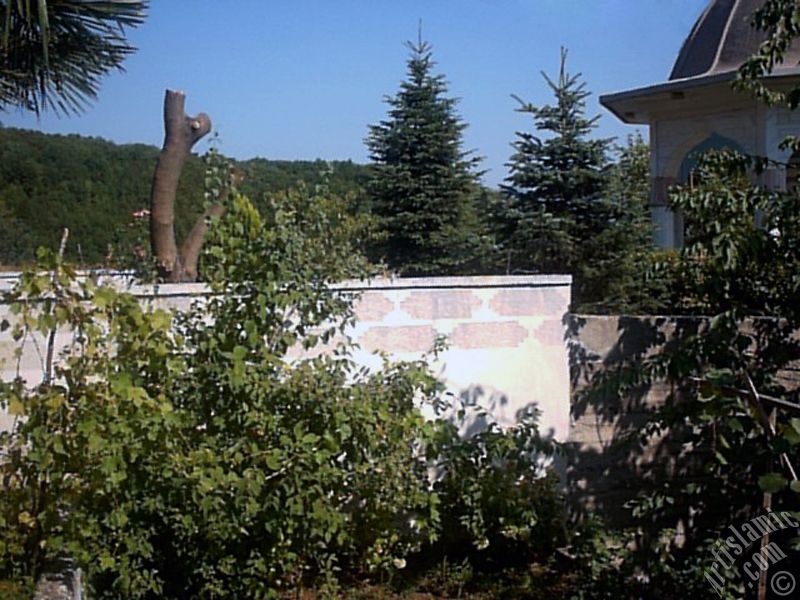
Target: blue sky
(303,79)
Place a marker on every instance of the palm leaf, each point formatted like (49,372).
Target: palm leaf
(54,53)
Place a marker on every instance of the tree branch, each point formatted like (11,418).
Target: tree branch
(190,251)
(180,134)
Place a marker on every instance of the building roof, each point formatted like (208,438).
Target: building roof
(721,40)
(719,43)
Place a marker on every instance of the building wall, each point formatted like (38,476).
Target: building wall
(780,123)
(607,465)
(673,138)
(758,130)
(507,347)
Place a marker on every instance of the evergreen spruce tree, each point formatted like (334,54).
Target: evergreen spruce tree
(619,260)
(567,210)
(423,187)
(555,185)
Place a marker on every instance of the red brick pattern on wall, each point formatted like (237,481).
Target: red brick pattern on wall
(413,338)
(508,334)
(446,304)
(373,306)
(550,333)
(529,303)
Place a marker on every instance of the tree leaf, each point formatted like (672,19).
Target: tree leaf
(772,483)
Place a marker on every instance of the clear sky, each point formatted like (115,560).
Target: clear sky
(303,79)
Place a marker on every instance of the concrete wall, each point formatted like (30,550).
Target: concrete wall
(507,348)
(603,472)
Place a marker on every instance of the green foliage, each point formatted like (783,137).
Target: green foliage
(336,466)
(609,564)
(779,20)
(555,183)
(423,185)
(84,440)
(742,262)
(95,188)
(53,54)
(615,276)
(193,458)
(197,455)
(500,506)
(738,401)
(342,178)
(91,186)
(14,591)
(742,250)
(565,212)
(733,403)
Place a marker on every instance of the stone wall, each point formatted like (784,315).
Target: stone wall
(604,471)
(506,336)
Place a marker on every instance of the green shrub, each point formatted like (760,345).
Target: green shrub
(500,503)
(187,455)
(182,455)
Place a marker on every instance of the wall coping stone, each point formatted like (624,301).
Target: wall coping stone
(172,290)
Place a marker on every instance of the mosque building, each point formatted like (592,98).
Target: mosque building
(698,110)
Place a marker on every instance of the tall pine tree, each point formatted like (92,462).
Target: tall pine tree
(566,210)
(554,188)
(424,186)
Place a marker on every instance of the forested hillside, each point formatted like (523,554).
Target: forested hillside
(93,186)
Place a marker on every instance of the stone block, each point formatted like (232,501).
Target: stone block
(441,304)
(508,334)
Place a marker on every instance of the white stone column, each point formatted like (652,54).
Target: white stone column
(668,224)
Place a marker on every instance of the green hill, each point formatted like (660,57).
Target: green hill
(92,186)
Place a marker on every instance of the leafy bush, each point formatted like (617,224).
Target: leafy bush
(500,505)
(187,455)
(732,403)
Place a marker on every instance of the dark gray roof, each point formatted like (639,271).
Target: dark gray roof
(722,39)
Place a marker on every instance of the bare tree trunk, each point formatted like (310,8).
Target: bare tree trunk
(180,134)
(190,251)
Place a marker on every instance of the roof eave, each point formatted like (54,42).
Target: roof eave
(612,101)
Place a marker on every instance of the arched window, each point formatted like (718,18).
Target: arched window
(670,225)
(688,172)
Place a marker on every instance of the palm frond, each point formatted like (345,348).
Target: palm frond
(54,53)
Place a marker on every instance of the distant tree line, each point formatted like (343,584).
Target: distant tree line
(96,188)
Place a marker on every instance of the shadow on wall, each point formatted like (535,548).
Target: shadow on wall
(474,412)
(636,445)
(480,404)
(619,380)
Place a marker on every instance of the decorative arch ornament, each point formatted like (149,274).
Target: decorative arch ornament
(713,142)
